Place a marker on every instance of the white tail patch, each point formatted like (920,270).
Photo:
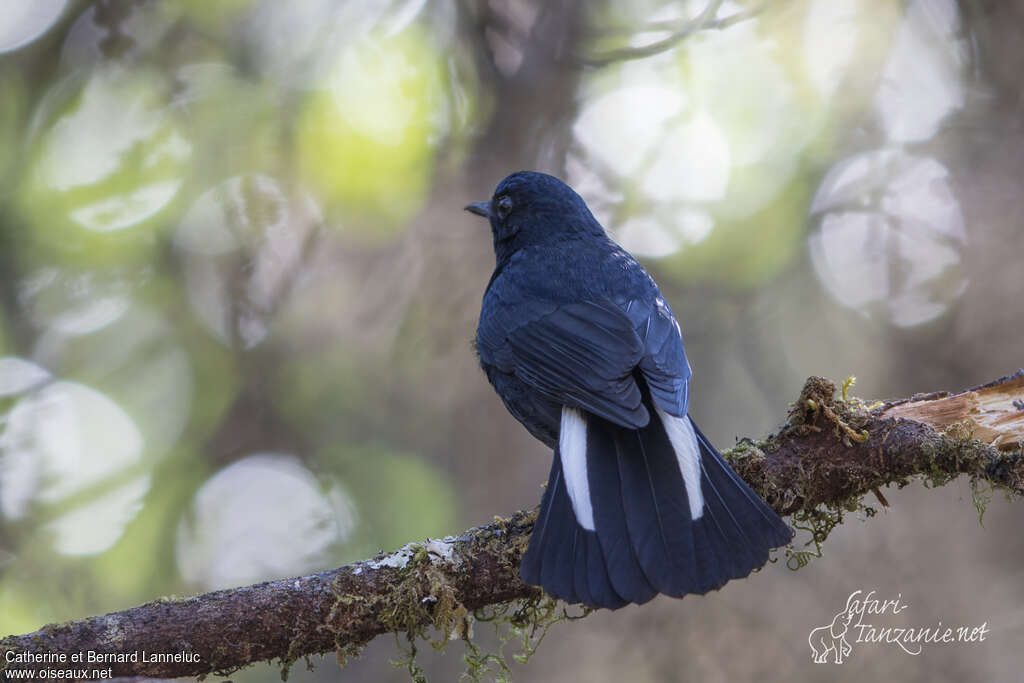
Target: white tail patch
(572,447)
(684,443)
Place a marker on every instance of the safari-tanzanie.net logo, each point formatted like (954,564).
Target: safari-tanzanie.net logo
(864,620)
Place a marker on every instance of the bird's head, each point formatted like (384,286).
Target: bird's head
(531,208)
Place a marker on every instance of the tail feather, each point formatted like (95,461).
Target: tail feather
(737,528)
(563,557)
(529,565)
(755,516)
(657,509)
(606,490)
(744,525)
(599,582)
(711,556)
(581,579)
(648,537)
(725,539)
(557,557)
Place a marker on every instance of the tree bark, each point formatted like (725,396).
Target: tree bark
(831,452)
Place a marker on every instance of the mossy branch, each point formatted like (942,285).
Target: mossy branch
(830,453)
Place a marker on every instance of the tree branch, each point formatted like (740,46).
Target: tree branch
(831,452)
(707,20)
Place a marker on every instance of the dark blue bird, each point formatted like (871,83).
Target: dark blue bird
(579,343)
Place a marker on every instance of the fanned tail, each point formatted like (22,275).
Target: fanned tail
(630,513)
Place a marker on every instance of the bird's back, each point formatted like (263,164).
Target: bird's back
(570,270)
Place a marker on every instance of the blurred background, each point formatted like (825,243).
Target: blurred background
(237,290)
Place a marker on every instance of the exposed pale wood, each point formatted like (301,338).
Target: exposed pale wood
(829,452)
(993,413)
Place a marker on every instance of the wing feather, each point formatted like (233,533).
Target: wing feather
(580,354)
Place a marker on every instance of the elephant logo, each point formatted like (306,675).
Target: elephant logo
(831,639)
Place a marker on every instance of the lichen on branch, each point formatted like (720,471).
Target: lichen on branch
(830,453)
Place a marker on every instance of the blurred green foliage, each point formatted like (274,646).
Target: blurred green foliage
(107,159)
(367,143)
(234,230)
(398,497)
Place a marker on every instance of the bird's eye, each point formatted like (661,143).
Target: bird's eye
(504,206)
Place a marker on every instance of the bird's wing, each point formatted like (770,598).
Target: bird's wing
(580,354)
(663,362)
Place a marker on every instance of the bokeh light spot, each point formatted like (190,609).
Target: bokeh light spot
(265,516)
(366,142)
(61,440)
(112,158)
(252,221)
(921,83)
(22,21)
(74,303)
(94,527)
(18,375)
(890,237)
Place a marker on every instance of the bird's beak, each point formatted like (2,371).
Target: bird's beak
(480,209)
